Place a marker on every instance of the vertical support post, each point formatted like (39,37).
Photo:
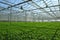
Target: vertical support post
(25,16)
(10,16)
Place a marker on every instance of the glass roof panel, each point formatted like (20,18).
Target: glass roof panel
(3,5)
(44,7)
(14,1)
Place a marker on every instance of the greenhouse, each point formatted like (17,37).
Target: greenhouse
(29,19)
